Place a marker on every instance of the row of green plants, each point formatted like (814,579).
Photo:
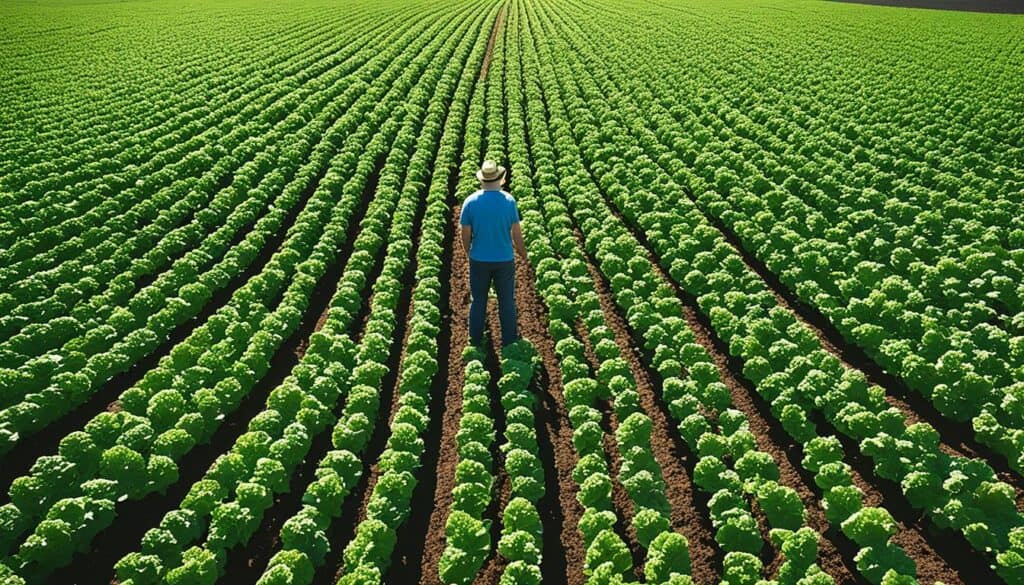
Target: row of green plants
(796,376)
(141,120)
(368,556)
(698,397)
(192,419)
(608,558)
(303,536)
(140,451)
(236,515)
(115,343)
(170,211)
(467,532)
(909,257)
(113,339)
(88,210)
(639,472)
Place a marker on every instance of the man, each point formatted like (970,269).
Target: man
(490,232)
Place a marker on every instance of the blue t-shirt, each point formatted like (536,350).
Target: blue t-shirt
(491,215)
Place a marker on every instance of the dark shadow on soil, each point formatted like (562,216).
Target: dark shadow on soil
(246,565)
(553,565)
(19,461)
(138,516)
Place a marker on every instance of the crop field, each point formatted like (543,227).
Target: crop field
(773,314)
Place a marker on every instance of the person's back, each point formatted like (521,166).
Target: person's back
(491,235)
(491,214)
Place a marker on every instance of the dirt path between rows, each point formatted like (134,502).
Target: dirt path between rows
(448,457)
(932,565)
(624,508)
(689,506)
(495,564)
(562,548)
(498,24)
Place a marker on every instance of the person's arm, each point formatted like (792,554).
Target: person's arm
(466,222)
(517,241)
(467,237)
(517,232)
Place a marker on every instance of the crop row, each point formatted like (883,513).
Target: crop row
(784,359)
(112,340)
(127,472)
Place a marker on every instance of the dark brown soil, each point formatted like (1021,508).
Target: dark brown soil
(563,552)
(433,546)
(498,22)
(998,6)
(676,461)
(495,564)
(300,351)
(931,565)
(396,371)
(624,507)
(409,549)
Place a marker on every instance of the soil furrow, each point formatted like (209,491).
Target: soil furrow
(492,568)
(408,554)
(931,553)
(447,456)
(138,516)
(625,510)
(486,65)
(669,450)
(560,511)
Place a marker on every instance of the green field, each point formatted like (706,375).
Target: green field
(773,310)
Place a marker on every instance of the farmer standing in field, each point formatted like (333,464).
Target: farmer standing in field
(490,230)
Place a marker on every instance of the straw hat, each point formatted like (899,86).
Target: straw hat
(490,171)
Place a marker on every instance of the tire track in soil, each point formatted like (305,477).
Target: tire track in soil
(930,548)
(447,456)
(138,516)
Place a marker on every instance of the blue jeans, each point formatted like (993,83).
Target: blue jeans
(503,275)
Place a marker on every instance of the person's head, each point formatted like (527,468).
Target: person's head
(491,175)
